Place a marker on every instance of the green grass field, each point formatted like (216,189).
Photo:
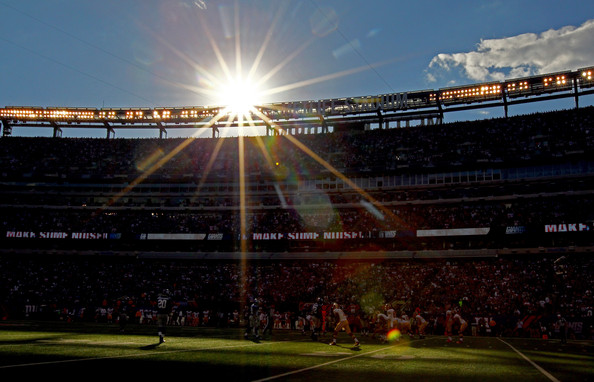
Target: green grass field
(100,351)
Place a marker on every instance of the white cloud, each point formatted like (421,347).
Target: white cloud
(567,48)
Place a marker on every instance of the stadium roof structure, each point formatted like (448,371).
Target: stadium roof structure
(349,113)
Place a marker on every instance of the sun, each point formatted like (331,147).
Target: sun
(239,96)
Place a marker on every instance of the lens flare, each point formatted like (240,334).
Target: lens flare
(393,335)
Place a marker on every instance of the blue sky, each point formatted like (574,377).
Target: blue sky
(148,53)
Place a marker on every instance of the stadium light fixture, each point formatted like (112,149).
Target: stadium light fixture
(559,80)
(586,80)
(518,86)
(471,93)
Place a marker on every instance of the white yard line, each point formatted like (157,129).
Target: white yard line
(327,363)
(143,354)
(543,371)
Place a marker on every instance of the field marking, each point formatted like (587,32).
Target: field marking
(331,362)
(130,355)
(325,354)
(394,356)
(543,371)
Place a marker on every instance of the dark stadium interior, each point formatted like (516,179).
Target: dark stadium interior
(495,215)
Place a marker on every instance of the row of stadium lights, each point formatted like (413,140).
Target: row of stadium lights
(482,91)
(559,80)
(472,92)
(50,114)
(523,85)
(90,115)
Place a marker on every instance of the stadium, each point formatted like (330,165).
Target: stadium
(347,200)
(281,205)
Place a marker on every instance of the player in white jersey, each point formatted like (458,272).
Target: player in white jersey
(342,323)
(392,319)
(381,326)
(404,325)
(449,323)
(384,322)
(421,324)
(461,324)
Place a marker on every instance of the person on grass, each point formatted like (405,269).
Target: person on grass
(342,323)
(164,306)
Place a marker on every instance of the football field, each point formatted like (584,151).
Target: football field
(100,351)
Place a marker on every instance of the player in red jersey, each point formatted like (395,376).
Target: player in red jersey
(354,316)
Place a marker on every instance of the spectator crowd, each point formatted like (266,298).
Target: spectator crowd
(506,290)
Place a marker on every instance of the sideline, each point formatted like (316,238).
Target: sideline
(543,371)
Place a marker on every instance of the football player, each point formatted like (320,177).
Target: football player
(164,306)
(421,324)
(253,326)
(342,323)
(461,324)
(381,327)
(404,325)
(449,323)
(315,318)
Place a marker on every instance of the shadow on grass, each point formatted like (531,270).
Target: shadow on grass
(150,347)
(346,347)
